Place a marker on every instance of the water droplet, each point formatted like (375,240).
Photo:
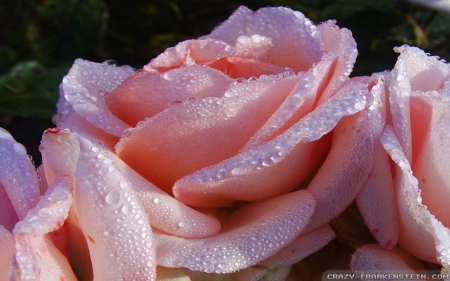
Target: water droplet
(256,38)
(113,197)
(242,39)
(168,76)
(4,134)
(229,94)
(125,209)
(20,149)
(239,171)
(299,15)
(156,200)
(360,105)
(181,224)
(95,149)
(123,184)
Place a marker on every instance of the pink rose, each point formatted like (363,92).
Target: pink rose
(32,241)
(226,152)
(406,197)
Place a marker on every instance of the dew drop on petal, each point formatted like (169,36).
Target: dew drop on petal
(239,171)
(113,197)
(20,149)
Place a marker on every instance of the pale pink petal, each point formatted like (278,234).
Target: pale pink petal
(414,71)
(340,49)
(50,212)
(190,52)
(303,246)
(145,94)
(430,120)
(67,118)
(163,211)
(77,248)
(17,175)
(416,222)
(299,102)
(254,47)
(289,31)
(273,168)
(373,258)
(376,201)
(60,152)
(251,234)
(184,138)
(341,176)
(37,257)
(8,216)
(85,87)
(7,253)
(115,226)
(236,67)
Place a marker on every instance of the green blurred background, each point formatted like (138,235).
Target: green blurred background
(39,40)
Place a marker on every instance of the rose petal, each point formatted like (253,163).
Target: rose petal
(37,257)
(17,175)
(60,152)
(145,94)
(7,253)
(346,168)
(236,67)
(297,104)
(414,71)
(303,246)
(119,236)
(430,124)
(8,216)
(376,201)
(375,259)
(416,222)
(184,138)
(250,234)
(165,212)
(288,30)
(273,168)
(50,212)
(340,48)
(85,88)
(190,52)
(68,118)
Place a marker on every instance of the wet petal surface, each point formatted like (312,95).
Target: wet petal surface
(114,224)
(144,94)
(85,87)
(416,222)
(249,235)
(375,259)
(272,168)
(185,138)
(288,31)
(17,175)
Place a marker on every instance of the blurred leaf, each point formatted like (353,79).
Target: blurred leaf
(63,30)
(30,90)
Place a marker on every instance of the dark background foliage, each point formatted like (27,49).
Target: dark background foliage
(39,40)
